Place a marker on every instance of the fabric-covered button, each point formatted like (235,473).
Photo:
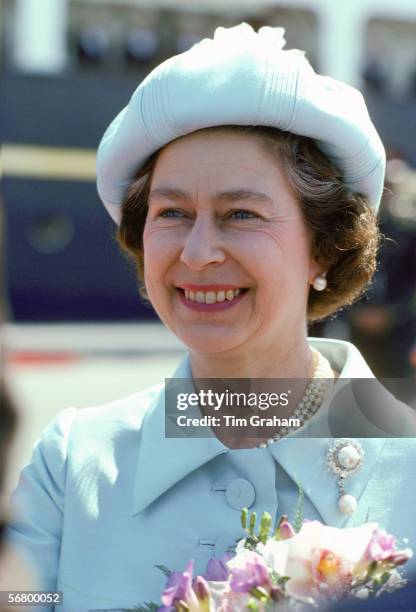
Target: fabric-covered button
(240,494)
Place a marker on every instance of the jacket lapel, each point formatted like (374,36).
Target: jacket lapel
(305,462)
(162,461)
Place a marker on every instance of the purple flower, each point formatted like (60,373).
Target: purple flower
(201,589)
(217,569)
(179,586)
(247,571)
(184,593)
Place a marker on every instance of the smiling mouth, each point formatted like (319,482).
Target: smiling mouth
(223,296)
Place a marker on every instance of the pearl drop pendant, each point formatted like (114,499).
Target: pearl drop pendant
(345,457)
(347,504)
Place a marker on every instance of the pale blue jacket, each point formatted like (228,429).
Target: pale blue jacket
(107,497)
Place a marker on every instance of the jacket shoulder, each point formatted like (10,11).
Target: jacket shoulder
(75,446)
(130,409)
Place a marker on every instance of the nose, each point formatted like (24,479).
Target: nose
(203,245)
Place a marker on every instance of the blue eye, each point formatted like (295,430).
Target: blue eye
(170,213)
(243,214)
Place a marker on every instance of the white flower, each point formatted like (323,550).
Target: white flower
(241,546)
(318,555)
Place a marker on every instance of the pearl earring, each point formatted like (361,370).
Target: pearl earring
(320,282)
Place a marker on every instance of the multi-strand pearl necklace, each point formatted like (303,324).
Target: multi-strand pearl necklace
(312,398)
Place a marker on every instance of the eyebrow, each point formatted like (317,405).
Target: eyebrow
(233,195)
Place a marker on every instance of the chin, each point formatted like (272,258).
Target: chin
(209,342)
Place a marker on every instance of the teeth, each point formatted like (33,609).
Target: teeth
(211,297)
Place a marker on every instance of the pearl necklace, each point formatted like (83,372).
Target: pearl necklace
(312,398)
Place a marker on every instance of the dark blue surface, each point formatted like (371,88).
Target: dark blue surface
(84,276)
(403,600)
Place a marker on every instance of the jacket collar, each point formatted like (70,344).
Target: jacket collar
(171,458)
(174,458)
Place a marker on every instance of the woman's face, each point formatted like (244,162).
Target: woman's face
(226,252)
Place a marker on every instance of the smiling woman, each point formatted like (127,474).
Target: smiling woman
(225,212)
(306,207)
(246,188)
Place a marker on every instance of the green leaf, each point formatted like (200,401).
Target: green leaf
(381,581)
(165,570)
(250,543)
(260,594)
(147,607)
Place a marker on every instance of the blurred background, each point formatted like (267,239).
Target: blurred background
(78,333)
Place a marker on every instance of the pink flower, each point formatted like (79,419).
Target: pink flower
(318,558)
(247,571)
(399,557)
(286,530)
(381,546)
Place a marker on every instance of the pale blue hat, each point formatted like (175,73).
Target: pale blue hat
(241,77)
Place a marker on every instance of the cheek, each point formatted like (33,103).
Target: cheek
(161,253)
(277,249)
(153,261)
(149,238)
(159,249)
(279,262)
(290,247)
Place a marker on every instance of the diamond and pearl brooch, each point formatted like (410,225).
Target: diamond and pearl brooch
(345,457)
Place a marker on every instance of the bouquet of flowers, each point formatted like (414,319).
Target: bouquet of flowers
(290,569)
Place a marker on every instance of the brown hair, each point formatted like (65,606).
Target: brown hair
(343,226)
